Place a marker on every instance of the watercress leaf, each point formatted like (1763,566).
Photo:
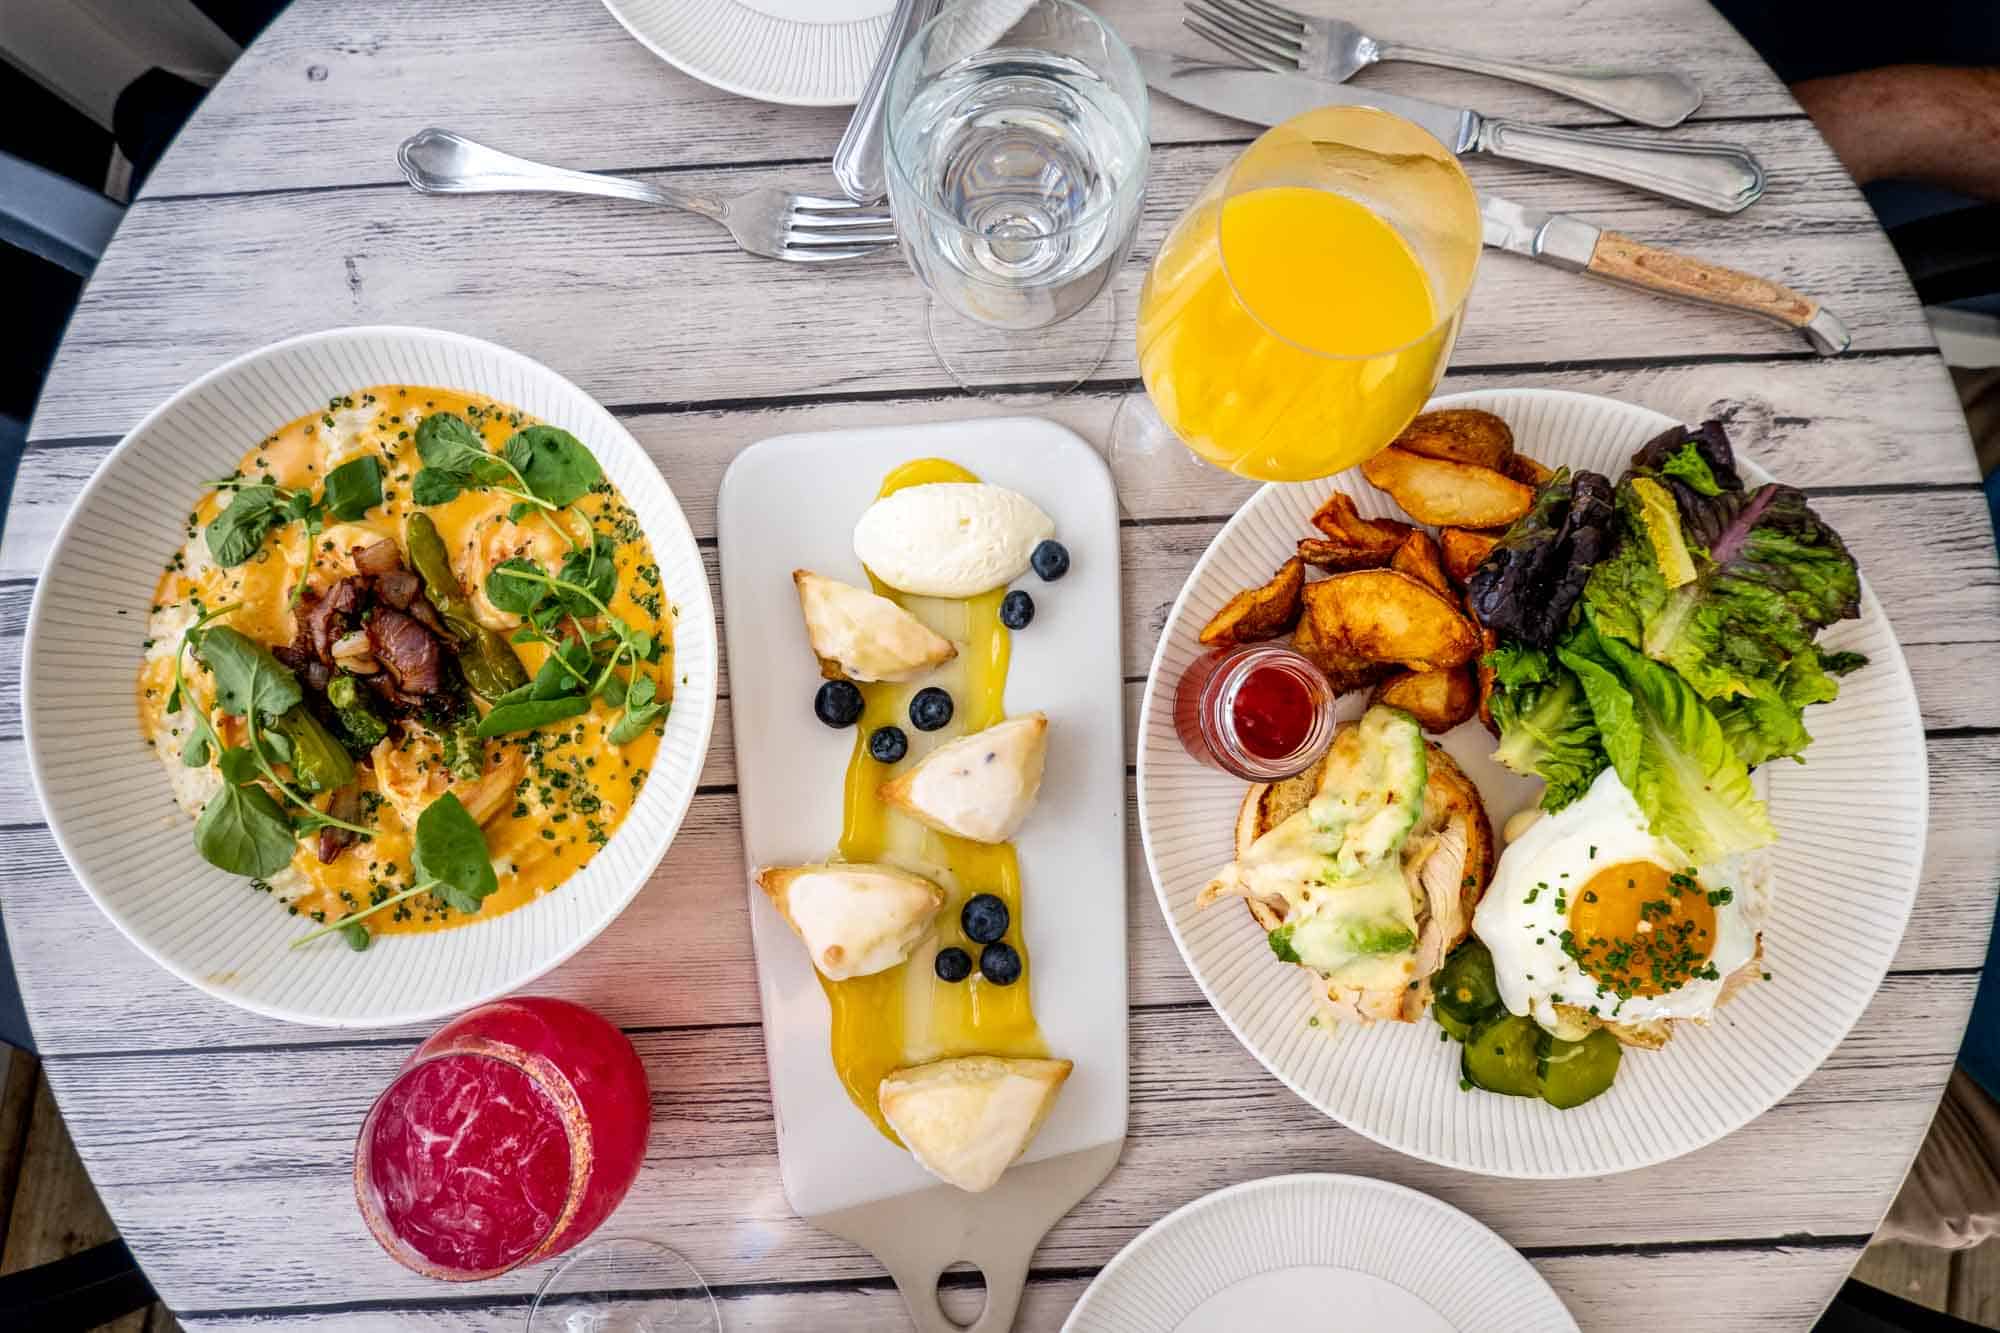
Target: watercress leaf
(434,487)
(277,746)
(519,510)
(553,681)
(525,634)
(594,569)
(174,697)
(450,850)
(447,440)
(357,936)
(353,488)
(512,593)
(238,765)
(634,723)
(519,694)
(614,691)
(246,675)
(235,534)
(243,830)
(554,463)
(297,505)
(509,718)
(642,691)
(201,745)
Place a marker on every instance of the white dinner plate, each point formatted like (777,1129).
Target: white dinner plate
(800,52)
(1318,1254)
(1851,823)
(107,797)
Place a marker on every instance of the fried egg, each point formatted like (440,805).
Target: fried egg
(1588,908)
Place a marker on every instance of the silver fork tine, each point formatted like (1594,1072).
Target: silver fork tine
(1277,12)
(816,240)
(836,222)
(1240,49)
(1287,31)
(823,204)
(821,256)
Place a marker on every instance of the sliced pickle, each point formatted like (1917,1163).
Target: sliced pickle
(1572,1072)
(1465,986)
(1501,1056)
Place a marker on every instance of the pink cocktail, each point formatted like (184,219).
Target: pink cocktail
(506,1138)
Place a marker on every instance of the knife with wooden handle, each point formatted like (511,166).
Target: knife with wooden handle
(1576,246)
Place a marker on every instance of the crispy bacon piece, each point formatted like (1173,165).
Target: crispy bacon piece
(411,653)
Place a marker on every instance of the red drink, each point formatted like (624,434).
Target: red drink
(1259,711)
(506,1138)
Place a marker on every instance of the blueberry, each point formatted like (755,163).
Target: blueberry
(838,703)
(1017,609)
(999,964)
(888,744)
(953,964)
(930,709)
(984,918)
(1051,560)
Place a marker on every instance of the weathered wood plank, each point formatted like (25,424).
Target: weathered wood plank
(641,305)
(1975,1284)
(329,90)
(237,1158)
(1749,1288)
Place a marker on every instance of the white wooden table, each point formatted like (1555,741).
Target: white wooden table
(222,1142)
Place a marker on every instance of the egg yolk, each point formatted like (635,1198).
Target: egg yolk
(1641,929)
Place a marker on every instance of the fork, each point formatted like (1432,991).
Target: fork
(1277,38)
(802,228)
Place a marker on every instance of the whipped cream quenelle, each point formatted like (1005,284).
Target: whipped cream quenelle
(950,539)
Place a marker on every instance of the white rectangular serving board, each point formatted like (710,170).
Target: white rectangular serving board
(791,503)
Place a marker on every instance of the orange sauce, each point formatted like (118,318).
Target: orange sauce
(571,786)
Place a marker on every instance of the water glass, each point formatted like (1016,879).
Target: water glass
(1016,162)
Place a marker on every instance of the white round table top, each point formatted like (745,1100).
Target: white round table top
(222,1142)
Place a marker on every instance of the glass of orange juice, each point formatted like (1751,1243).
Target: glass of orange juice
(1304,306)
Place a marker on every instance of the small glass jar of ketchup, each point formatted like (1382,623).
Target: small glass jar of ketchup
(1259,711)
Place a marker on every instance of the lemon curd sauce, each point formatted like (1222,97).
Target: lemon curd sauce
(907,1015)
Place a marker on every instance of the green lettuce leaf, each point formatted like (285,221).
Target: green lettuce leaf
(1546,726)
(1670,751)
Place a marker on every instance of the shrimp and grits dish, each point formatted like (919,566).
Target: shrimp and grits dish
(410,666)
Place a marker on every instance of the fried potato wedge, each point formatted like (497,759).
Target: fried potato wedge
(1527,471)
(1342,669)
(1342,522)
(1381,615)
(1465,551)
(1419,558)
(1482,673)
(1460,435)
(1438,700)
(1448,494)
(1260,613)
(1336,555)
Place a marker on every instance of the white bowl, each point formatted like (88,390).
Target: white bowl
(107,798)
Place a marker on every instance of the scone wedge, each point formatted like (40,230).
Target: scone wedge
(968,1118)
(980,787)
(855,919)
(861,636)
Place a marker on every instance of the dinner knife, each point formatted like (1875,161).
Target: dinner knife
(1575,246)
(1719,177)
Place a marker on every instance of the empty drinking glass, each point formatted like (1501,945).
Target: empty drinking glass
(1016,160)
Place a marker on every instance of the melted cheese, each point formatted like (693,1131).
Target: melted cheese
(575,786)
(905,1015)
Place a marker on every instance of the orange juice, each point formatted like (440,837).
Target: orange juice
(1287,332)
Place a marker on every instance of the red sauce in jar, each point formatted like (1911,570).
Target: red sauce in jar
(1259,711)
